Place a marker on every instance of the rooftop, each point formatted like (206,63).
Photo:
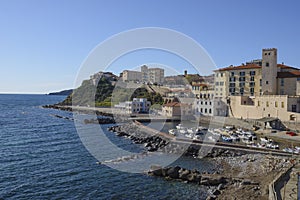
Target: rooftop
(253,66)
(290,74)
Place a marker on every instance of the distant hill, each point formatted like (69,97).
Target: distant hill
(107,92)
(63,92)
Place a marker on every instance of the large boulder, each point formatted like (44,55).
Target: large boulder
(173,172)
(183,174)
(156,170)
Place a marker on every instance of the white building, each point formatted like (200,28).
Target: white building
(137,105)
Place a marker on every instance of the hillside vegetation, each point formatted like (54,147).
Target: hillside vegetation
(106,94)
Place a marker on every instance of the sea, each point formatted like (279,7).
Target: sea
(43,157)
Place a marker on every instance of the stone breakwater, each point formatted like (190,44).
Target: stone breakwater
(134,133)
(215,181)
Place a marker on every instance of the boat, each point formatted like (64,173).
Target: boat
(179,127)
(226,138)
(235,138)
(183,131)
(172,131)
(247,141)
(197,137)
(266,140)
(191,130)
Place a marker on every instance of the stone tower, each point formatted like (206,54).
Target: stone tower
(269,71)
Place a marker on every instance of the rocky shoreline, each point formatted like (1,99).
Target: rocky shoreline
(242,175)
(239,177)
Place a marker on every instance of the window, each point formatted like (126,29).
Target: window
(231,79)
(205,111)
(267,64)
(205,102)
(210,103)
(258,103)
(242,73)
(221,74)
(221,83)
(241,79)
(276,104)
(252,73)
(252,84)
(232,91)
(252,90)
(282,104)
(201,102)
(232,73)
(282,82)
(209,111)
(242,84)
(201,110)
(267,82)
(241,90)
(267,104)
(294,108)
(260,82)
(217,83)
(252,78)
(231,84)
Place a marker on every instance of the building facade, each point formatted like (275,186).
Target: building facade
(152,75)
(177,109)
(283,107)
(137,105)
(128,75)
(260,88)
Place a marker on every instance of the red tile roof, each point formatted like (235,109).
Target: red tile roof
(252,66)
(285,66)
(290,74)
(248,66)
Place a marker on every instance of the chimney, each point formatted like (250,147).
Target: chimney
(185,72)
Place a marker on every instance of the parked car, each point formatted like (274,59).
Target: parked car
(291,133)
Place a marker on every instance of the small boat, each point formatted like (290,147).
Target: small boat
(226,138)
(229,127)
(247,141)
(197,137)
(266,140)
(235,138)
(172,131)
(191,130)
(288,150)
(179,127)
(183,131)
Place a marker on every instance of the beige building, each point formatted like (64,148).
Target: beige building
(259,77)
(129,75)
(284,107)
(177,109)
(260,88)
(152,75)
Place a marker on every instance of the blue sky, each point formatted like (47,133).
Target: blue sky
(43,43)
